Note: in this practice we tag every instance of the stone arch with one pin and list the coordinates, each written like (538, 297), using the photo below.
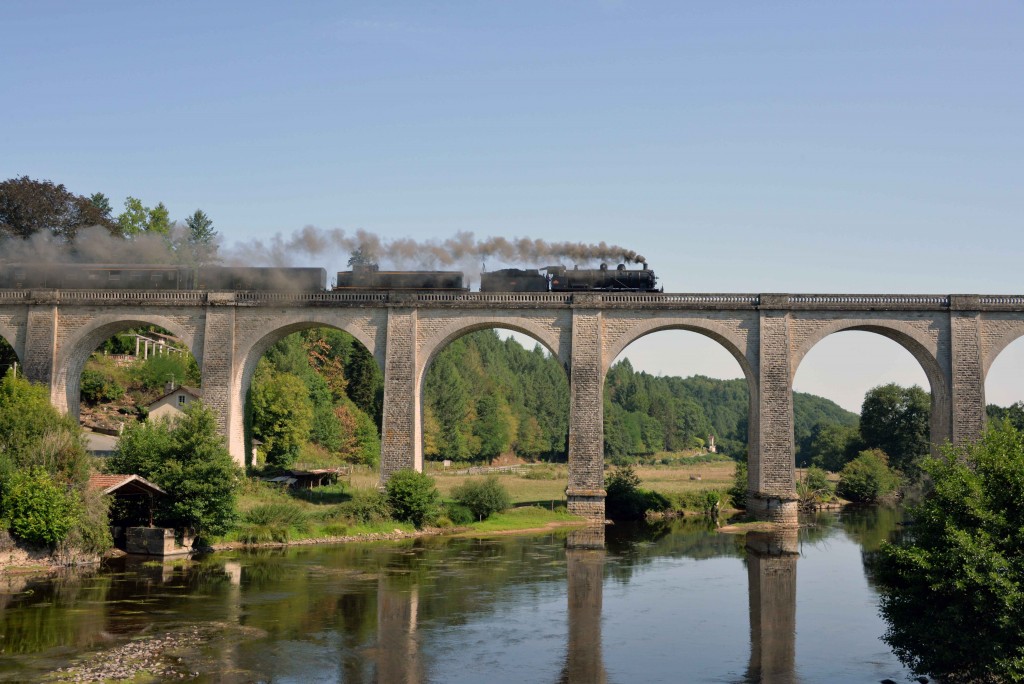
(438, 340)
(17, 341)
(706, 327)
(75, 351)
(247, 358)
(434, 342)
(732, 337)
(922, 344)
(998, 345)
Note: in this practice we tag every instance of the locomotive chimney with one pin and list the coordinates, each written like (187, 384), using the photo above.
(645, 266)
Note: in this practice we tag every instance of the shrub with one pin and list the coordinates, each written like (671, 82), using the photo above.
(366, 506)
(279, 513)
(483, 497)
(867, 478)
(815, 486)
(738, 491)
(273, 522)
(413, 497)
(91, 532)
(710, 500)
(458, 514)
(626, 500)
(40, 511)
(96, 388)
(702, 500)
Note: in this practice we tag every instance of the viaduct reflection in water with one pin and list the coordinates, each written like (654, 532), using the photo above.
(584, 558)
(771, 586)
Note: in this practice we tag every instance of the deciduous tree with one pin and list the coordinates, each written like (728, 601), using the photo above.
(953, 587)
(189, 460)
(282, 414)
(28, 207)
(895, 420)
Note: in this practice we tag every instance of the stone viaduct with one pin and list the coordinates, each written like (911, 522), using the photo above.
(955, 338)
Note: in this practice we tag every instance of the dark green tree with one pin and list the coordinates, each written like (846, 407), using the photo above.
(365, 382)
(7, 356)
(38, 509)
(830, 446)
(102, 203)
(1013, 413)
(953, 587)
(483, 497)
(189, 460)
(413, 497)
(201, 239)
(895, 420)
(491, 427)
(447, 390)
(282, 414)
(362, 256)
(738, 491)
(34, 433)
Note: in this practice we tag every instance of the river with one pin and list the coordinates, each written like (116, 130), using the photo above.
(675, 602)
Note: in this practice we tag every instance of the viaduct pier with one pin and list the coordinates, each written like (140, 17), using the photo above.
(954, 338)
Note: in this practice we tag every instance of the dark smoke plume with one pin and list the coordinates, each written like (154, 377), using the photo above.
(462, 249)
(95, 245)
(312, 246)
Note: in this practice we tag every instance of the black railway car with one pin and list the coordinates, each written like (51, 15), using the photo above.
(514, 280)
(363, 277)
(603, 278)
(69, 276)
(229, 278)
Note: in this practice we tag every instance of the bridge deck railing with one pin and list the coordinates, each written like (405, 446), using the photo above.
(512, 300)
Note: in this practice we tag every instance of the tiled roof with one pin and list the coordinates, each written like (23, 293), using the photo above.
(124, 484)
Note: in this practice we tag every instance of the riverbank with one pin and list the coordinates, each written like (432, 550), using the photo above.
(521, 520)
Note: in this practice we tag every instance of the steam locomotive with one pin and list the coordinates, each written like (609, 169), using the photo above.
(69, 276)
(561, 279)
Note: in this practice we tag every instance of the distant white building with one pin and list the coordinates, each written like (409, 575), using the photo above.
(173, 402)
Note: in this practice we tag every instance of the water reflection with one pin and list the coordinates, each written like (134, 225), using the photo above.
(662, 603)
(771, 582)
(584, 556)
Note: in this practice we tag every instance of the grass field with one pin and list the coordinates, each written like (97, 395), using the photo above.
(538, 497)
(674, 479)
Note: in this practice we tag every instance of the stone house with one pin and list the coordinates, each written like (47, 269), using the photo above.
(172, 403)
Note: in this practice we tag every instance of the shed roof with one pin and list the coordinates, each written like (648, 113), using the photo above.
(124, 485)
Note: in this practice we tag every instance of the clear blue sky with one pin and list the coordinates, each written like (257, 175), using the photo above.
(757, 147)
